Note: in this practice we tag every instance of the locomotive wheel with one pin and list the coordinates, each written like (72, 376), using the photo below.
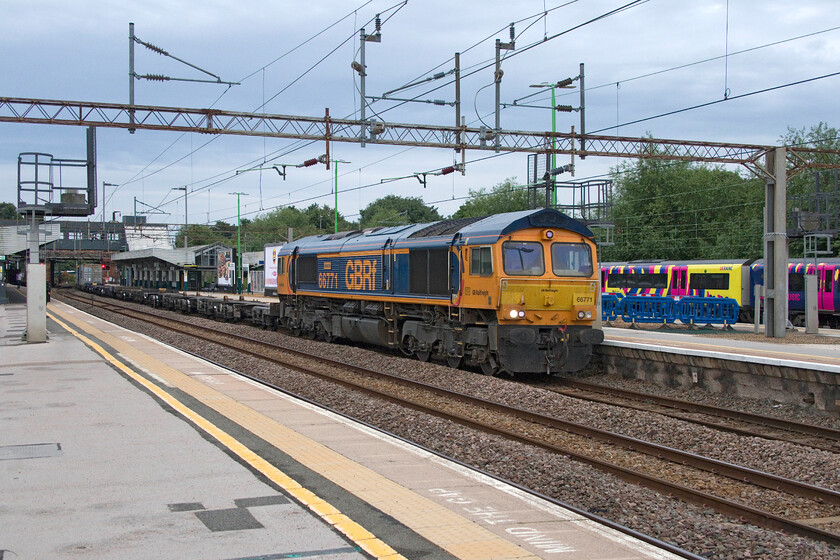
(454, 361)
(322, 334)
(423, 355)
(489, 369)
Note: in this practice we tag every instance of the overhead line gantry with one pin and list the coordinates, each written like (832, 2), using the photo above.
(773, 164)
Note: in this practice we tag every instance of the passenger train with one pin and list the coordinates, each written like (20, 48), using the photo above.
(734, 279)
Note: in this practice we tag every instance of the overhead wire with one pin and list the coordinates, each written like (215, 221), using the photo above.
(401, 4)
(706, 104)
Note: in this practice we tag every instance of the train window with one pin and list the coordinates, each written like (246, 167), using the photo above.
(677, 279)
(281, 266)
(617, 280)
(709, 281)
(481, 261)
(827, 284)
(523, 258)
(653, 280)
(571, 259)
(796, 282)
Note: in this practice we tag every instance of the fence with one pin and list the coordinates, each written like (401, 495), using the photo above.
(691, 310)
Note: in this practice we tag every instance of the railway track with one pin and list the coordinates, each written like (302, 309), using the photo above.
(728, 420)
(670, 471)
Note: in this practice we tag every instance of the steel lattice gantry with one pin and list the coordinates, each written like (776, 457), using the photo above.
(771, 163)
(327, 128)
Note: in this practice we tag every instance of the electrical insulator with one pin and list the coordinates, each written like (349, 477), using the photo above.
(378, 24)
(564, 83)
(439, 75)
(564, 108)
(447, 170)
(512, 33)
(310, 162)
(439, 102)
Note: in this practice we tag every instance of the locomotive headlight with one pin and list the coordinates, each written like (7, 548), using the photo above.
(582, 314)
(588, 314)
(515, 314)
(521, 314)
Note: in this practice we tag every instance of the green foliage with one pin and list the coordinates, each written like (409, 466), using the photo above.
(802, 187)
(819, 137)
(504, 197)
(676, 211)
(394, 210)
(204, 235)
(8, 211)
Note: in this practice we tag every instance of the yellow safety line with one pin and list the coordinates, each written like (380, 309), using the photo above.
(355, 532)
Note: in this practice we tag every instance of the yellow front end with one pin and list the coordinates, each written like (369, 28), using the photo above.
(547, 301)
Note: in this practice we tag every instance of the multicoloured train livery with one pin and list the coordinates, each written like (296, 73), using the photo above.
(732, 279)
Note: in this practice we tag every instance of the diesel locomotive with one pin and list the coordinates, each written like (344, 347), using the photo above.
(513, 292)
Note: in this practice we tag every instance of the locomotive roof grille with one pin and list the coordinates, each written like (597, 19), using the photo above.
(446, 227)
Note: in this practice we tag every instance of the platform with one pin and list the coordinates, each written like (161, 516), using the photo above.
(117, 446)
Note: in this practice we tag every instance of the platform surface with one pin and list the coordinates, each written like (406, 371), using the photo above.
(824, 357)
(117, 446)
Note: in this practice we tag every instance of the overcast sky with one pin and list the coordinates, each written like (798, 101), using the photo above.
(79, 51)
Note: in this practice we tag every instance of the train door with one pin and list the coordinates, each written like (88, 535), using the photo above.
(293, 271)
(679, 281)
(454, 274)
(387, 262)
(826, 287)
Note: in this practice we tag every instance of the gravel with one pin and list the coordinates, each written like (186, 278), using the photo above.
(693, 528)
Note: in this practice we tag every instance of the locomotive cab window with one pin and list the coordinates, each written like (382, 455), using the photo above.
(523, 258)
(571, 259)
(481, 261)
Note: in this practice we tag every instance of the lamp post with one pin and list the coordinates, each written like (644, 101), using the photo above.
(335, 189)
(186, 215)
(238, 244)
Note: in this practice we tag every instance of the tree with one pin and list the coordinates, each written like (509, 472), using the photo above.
(504, 197)
(323, 218)
(682, 211)
(394, 210)
(802, 187)
(8, 211)
(198, 234)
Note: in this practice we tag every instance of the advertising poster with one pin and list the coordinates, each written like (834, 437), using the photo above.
(226, 268)
(270, 260)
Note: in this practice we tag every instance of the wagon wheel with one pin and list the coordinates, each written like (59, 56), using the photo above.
(454, 361)
(423, 355)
